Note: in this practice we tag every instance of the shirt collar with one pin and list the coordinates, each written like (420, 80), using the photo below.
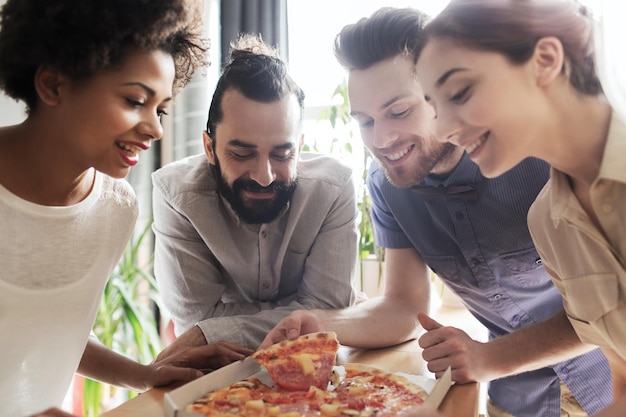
(612, 168)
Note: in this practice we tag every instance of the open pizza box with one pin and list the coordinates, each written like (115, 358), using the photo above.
(174, 402)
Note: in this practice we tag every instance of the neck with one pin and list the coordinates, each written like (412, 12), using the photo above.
(577, 139)
(33, 167)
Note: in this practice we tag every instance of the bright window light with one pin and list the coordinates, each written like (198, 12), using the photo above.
(313, 26)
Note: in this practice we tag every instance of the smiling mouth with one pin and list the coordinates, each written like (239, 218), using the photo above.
(473, 146)
(130, 149)
(260, 195)
(397, 155)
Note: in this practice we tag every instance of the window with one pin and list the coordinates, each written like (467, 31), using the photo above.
(313, 26)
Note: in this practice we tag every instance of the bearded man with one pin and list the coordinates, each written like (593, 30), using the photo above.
(252, 229)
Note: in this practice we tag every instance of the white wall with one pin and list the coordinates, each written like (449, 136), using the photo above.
(11, 112)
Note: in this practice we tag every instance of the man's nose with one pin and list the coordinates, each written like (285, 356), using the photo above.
(384, 136)
(263, 172)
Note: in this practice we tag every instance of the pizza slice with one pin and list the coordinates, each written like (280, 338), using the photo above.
(298, 364)
(368, 388)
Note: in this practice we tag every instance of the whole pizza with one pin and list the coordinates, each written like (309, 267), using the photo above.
(306, 382)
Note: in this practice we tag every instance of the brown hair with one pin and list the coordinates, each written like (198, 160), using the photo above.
(513, 27)
(386, 33)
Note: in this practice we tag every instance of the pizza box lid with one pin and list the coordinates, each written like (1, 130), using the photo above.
(174, 402)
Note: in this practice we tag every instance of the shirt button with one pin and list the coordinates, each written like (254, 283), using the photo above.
(607, 208)
(516, 318)
(459, 215)
(263, 234)
(475, 262)
(497, 297)
(265, 285)
(565, 370)
(539, 261)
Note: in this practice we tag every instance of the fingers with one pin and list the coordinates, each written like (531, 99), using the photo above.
(231, 350)
(427, 322)
(212, 355)
(268, 341)
(286, 329)
(169, 374)
(190, 339)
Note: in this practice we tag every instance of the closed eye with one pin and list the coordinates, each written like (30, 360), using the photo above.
(399, 115)
(366, 124)
(134, 103)
(461, 96)
(283, 157)
(244, 155)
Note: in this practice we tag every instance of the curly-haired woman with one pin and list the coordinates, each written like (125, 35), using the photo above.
(96, 78)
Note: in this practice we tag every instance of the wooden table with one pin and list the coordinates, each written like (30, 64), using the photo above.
(461, 401)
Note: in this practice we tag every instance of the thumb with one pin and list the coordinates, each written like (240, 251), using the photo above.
(427, 322)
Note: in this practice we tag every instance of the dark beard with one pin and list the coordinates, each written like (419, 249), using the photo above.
(254, 211)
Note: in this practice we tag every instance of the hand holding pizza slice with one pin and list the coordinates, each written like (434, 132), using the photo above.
(301, 370)
(296, 365)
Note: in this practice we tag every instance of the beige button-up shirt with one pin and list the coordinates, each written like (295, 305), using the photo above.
(237, 280)
(588, 265)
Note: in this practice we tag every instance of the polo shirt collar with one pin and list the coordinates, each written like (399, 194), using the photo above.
(561, 196)
(612, 167)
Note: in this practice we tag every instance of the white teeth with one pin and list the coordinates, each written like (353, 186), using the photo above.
(129, 148)
(473, 146)
(397, 155)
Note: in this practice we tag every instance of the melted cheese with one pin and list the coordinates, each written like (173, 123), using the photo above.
(306, 362)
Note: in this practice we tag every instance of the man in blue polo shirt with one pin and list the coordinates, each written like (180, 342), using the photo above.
(432, 208)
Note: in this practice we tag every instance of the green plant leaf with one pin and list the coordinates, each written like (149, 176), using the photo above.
(125, 321)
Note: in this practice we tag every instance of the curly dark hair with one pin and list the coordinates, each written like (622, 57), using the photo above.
(82, 37)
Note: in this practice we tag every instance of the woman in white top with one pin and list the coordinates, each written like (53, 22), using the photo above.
(96, 78)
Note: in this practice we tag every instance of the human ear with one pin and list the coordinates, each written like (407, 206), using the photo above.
(48, 84)
(208, 147)
(548, 58)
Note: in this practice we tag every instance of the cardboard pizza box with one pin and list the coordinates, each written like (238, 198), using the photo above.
(174, 402)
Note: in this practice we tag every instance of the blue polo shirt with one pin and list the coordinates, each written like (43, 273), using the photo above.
(481, 247)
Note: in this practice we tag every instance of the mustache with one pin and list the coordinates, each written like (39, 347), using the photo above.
(255, 187)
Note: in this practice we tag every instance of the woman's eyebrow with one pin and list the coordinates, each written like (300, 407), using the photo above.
(148, 89)
(447, 75)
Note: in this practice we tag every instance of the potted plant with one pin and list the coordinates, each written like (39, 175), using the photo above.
(344, 135)
(126, 320)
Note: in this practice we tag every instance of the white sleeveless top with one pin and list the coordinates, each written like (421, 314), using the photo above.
(54, 264)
